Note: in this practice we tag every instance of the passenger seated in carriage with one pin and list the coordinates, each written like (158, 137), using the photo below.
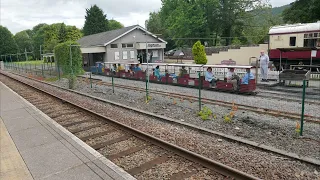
(183, 71)
(157, 73)
(210, 77)
(247, 77)
(120, 68)
(137, 68)
(233, 78)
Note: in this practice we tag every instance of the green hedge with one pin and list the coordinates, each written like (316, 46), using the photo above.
(62, 57)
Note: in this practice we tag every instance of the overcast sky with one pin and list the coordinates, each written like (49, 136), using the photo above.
(18, 15)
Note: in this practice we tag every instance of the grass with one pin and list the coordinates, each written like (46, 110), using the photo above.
(34, 62)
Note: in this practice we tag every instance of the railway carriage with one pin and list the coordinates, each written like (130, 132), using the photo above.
(170, 75)
(294, 43)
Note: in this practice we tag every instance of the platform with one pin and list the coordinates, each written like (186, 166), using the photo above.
(33, 146)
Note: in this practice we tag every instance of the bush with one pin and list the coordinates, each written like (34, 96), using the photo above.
(199, 53)
(62, 57)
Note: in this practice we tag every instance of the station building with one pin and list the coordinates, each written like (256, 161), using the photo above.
(126, 45)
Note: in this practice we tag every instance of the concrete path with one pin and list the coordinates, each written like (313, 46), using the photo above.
(33, 146)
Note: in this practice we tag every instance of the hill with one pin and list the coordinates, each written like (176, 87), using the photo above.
(278, 10)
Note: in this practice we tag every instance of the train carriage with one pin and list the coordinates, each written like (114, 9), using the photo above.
(293, 43)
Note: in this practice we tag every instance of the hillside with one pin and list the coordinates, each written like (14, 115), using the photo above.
(278, 10)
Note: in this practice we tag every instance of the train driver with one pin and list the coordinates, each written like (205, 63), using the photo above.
(264, 63)
(233, 78)
(248, 76)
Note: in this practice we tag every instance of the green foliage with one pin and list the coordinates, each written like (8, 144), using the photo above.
(302, 11)
(96, 21)
(7, 42)
(113, 24)
(199, 54)
(182, 22)
(24, 41)
(205, 113)
(236, 41)
(62, 55)
(62, 33)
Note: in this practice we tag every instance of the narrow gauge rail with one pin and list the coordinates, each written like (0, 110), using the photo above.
(272, 112)
(189, 126)
(163, 152)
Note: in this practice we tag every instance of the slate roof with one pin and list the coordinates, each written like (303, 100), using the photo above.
(101, 38)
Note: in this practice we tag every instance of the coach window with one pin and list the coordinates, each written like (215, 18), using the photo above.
(293, 41)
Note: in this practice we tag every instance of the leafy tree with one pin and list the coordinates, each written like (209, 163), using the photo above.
(7, 42)
(199, 54)
(73, 33)
(302, 11)
(96, 21)
(38, 40)
(62, 33)
(23, 41)
(113, 24)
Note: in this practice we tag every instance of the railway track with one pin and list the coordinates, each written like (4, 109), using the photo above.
(259, 147)
(142, 155)
(277, 113)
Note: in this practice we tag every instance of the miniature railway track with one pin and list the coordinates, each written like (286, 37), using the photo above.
(277, 113)
(140, 154)
(169, 120)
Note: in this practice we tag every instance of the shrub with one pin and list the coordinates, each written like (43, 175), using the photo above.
(199, 53)
(205, 113)
(62, 57)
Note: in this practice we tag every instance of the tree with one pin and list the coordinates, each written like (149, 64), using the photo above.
(73, 33)
(96, 21)
(62, 33)
(302, 11)
(38, 40)
(113, 24)
(199, 54)
(23, 41)
(7, 42)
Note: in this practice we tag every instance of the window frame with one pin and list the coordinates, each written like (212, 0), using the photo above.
(113, 45)
(291, 40)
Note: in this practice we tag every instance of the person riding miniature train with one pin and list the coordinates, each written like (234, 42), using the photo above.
(157, 73)
(210, 77)
(183, 71)
(233, 78)
(247, 77)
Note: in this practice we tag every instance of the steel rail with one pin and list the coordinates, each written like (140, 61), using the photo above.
(209, 163)
(276, 113)
(191, 126)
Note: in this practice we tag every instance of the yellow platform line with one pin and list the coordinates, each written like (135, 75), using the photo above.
(12, 166)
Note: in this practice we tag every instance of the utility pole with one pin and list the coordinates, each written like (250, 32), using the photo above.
(25, 51)
(40, 53)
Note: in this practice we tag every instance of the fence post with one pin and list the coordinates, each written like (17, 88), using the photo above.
(58, 71)
(42, 70)
(112, 79)
(90, 80)
(302, 111)
(200, 85)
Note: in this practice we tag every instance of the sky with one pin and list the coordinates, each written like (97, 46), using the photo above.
(18, 15)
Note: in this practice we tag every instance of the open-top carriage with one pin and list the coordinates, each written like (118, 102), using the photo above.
(186, 75)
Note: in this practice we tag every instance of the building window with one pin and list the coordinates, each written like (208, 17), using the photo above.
(114, 45)
(293, 41)
(132, 55)
(116, 56)
(124, 55)
(127, 45)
